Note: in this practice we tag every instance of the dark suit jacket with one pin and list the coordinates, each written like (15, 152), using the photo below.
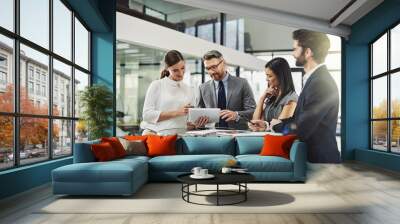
(240, 98)
(315, 118)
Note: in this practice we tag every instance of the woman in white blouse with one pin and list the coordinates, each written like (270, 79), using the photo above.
(168, 99)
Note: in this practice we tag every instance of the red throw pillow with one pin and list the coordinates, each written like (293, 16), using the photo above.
(277, 145)
(161, 145)
(103, 152)
(116, 145)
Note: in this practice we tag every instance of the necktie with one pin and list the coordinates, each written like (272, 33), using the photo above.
(221, 102)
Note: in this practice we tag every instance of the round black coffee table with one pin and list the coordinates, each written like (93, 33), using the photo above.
(238, 179)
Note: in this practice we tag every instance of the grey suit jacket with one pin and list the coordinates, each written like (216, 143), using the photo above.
(240, 98)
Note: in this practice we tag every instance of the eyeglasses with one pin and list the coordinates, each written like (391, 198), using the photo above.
(213, 67)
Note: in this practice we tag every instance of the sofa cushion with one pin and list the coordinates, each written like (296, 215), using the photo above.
(277, 145)
(116, 145)
(206, 145)
(134, 147)
(136, 137)
(112, 171)
(103, 152)
(249, 145)
(161, 145)
(257, 163)
(185, 163)
(128, 159)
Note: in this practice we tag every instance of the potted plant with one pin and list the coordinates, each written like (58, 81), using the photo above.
(96, 103)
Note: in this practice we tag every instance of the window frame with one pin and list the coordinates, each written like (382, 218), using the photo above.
(388, 74)
(15, 72)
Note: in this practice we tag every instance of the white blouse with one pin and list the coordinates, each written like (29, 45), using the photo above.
(166, 95)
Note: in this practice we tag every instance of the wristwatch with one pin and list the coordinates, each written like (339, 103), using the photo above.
(237, 117)
(266, 125)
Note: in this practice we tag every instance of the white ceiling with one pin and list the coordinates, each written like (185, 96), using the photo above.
(319, 9)
(308, 14)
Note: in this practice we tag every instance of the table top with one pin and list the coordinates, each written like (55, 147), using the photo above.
(220, 178)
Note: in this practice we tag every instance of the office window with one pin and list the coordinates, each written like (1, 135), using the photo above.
(395, 47)
(62, 29)
(63, 73)
(234, 36)
(7, 14)
(62, 137)
(6, 73)
(33, 140)
(35, 21)
(40, 61)
(6, 142)
(45, 130)
(191, 31)
(385, 97)
(155, 13)
(81, 81)
(81, 45)
(206, 32)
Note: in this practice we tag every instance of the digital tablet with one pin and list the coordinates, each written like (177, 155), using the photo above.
(211, 113)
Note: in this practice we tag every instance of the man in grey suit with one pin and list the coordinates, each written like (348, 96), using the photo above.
(231, 94)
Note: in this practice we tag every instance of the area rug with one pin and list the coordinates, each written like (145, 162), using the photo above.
(167, 198)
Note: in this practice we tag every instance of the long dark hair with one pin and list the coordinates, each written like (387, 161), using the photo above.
(282, 71)
(171, 58)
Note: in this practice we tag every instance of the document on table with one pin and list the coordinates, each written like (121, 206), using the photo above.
(240, 133)
(211, 113)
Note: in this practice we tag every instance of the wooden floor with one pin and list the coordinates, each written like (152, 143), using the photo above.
(378, 188)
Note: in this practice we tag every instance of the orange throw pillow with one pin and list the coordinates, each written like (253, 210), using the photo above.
(116, 145)
(136, 137)
(161, 145)
(277, 145)
(103, 152)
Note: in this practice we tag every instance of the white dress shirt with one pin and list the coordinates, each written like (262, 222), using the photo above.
(166, 95)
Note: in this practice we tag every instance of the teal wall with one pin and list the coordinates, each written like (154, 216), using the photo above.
(103, 53)
(24, 178)
(356, 106)
(99, 16)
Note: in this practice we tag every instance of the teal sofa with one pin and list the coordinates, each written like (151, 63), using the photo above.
(125, 176)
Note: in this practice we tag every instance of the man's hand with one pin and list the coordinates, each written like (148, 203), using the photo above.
(228, 115)
(257, 125)
(201, 121)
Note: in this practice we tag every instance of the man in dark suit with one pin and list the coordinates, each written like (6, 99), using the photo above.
(233, 95)
(316, 114)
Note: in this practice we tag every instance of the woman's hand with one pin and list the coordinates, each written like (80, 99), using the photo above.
(258, 125)
(183, 110)
(275, 122)
(269, 92)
